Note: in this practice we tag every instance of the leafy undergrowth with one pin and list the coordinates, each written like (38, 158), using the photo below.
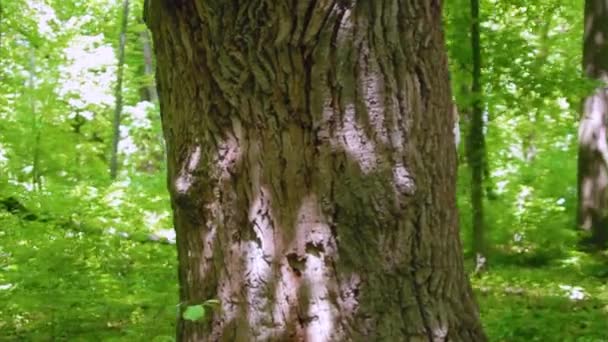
(563, 301)
(59, 284)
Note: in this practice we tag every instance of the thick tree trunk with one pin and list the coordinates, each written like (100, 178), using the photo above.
(593, 146)
(312, 170)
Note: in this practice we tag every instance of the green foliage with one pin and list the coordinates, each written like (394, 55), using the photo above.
(194, 313)
(532, 90)
(533, 85)
(65, 280)
(567, 301)
(80, 256)
(199, 312)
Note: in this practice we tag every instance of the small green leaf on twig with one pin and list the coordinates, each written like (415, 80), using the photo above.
(194, 313)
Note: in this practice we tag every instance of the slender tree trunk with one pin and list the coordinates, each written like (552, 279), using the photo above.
(148, 93)
(311, 167)
(593, 147)
(476, 148)
(118, 90)
(150, 88)
(35, 123)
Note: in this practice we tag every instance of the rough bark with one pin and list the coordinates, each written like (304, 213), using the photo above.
(593, 146)
(476, 144)
(118, 90)
(311, 166)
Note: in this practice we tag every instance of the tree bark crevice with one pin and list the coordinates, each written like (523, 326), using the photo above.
(322, 197)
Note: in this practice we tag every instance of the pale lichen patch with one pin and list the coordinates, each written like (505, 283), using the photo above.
(353, 139)
(185, 178)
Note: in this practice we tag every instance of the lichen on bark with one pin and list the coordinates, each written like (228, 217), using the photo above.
(321, 206)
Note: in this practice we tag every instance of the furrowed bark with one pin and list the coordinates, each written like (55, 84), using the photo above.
(312, 170)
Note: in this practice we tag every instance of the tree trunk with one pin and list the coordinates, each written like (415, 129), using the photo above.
(593, 147)
(311, 167)
(36, 122)
(476, 145)
(149, 91)
(118, 90)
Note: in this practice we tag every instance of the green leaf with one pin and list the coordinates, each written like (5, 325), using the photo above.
(194, 313)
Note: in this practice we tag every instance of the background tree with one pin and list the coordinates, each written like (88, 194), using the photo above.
(312, 170)
(531, 93)
(593, 138)
(118, 90)
(149, 90)
(476, 142)
(79, 228)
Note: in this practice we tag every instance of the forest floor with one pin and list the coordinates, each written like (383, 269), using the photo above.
(566, 300)
(68, 286)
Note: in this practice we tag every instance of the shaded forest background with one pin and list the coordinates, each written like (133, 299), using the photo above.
(88, 255)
